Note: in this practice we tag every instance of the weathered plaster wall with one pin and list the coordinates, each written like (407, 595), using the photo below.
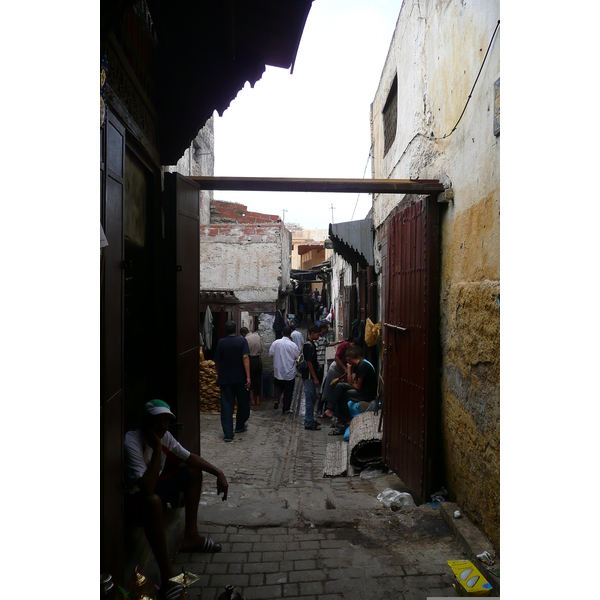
(199, 159)
(343, 269)
(267, 337)
(286, 260)
(245, 252)
(436, 52)
(236, 258)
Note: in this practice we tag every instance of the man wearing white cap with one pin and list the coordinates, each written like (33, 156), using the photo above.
(158, 467)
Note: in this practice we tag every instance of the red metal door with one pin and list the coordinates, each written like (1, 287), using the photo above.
(182, 198)
(411, 343)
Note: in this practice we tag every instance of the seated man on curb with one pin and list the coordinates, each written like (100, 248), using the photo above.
(336, 370)
(362, 389)
(157, 468)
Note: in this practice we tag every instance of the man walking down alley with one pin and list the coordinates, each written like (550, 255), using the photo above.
(297, 338)
(255, 347)
(311, 378)
(233, 368)
(284, 352)
(321, 344)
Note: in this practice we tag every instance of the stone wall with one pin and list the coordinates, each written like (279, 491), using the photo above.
(244, 252)
(199, 159)
(435, 53)
(267, 337)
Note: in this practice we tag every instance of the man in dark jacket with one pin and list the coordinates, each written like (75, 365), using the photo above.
(233, 367)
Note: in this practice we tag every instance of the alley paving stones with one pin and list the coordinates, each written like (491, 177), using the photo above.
(288, 532)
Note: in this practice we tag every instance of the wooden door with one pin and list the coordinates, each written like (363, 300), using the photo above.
(182, 201)
(112, 165)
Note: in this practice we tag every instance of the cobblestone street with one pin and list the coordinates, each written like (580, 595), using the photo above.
(288, 532)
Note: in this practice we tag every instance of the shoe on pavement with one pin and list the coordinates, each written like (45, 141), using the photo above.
(313, 427)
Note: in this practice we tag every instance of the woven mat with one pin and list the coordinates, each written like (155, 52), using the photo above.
(365, 440)
(336, 459)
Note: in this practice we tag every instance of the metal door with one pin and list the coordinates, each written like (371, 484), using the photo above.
(411, 343)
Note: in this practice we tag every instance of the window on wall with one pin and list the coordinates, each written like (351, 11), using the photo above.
(390, 117)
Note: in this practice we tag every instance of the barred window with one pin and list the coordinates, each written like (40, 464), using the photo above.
(390, 117)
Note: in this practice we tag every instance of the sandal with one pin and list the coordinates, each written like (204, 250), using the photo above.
(170, 590)
(207, 547)
(337, 431)
(313, 427)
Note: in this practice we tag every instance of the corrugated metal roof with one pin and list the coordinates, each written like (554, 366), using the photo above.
(353, 241)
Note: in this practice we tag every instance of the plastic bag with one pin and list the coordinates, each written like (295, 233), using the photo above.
(371, 473)
(354, 408)
(372, 332)
(394, 499)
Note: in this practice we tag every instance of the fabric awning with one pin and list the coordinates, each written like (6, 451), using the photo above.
(304, 275)
(353, 241)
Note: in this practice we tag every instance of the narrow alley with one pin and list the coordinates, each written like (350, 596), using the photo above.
(288, 532)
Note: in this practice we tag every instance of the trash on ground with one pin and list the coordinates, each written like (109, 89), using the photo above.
(371, 473)
(312, 526)
(468, 581)
(486, 558)
(186, 578)
(434, 505)
(230, 593)
(396, 500)
(457, 514)
(439, 496)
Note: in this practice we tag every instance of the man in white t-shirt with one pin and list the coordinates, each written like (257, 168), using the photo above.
(284, 353)
(158, 467)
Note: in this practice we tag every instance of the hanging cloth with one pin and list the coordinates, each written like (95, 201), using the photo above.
(222, 319)
(207, 328)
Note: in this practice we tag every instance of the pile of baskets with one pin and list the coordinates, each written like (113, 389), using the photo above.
(210, 393)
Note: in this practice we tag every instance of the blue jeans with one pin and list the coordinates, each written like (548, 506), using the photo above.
(228, 395)
(311, 398)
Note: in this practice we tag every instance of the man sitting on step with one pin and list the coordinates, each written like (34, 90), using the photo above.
(157, 469)
(363, 388)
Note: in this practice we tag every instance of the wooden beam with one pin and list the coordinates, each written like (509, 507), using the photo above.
(281, 184)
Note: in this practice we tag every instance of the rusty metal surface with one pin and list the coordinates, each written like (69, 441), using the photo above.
(409, 331)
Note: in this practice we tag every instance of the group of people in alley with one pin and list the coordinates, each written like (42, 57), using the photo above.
(158, 468)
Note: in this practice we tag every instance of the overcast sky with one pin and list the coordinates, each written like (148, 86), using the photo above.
(314, 122)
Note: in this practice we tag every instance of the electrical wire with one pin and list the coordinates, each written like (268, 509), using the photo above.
(357, 197)
(464, 109)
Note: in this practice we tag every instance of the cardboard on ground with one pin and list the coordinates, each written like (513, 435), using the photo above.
(470, 582)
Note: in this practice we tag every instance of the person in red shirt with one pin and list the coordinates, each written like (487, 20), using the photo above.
(336, 369)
